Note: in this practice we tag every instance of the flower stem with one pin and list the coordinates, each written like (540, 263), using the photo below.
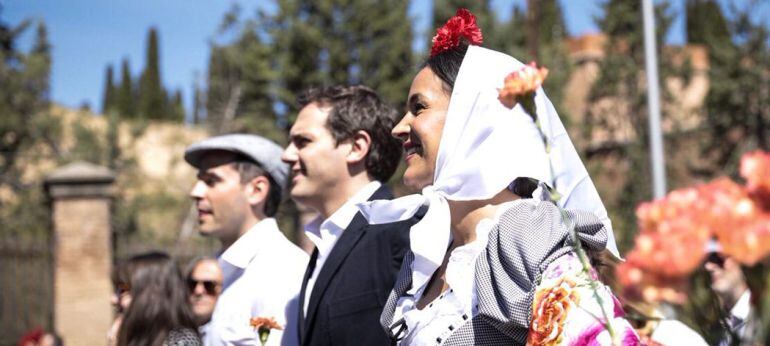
(530, 107)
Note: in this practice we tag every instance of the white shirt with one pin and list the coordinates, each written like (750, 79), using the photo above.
(673, 332)
(325, 233)
(262, 274)
(742, 307)
(437, 321)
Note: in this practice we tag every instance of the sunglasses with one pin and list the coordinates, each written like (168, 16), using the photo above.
(716, 258)
(211, 287)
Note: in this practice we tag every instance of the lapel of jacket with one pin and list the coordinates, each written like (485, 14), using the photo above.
(302, 293)
(349, 238)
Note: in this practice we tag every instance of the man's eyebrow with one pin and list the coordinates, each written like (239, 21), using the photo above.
(298, 135)
(206, 175)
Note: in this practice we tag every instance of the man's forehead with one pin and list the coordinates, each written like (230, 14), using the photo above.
(215, 158)
(207, 267)
(310, 117)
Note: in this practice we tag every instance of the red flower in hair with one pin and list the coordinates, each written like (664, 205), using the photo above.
(462, 25)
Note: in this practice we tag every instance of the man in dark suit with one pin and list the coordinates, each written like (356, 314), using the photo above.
(340, 152)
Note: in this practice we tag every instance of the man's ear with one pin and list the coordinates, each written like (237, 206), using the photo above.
(361, 142)
(257, 190)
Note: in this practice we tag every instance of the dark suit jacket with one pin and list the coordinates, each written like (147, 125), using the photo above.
(351, 288)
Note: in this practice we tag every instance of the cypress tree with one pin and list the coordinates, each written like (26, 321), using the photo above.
(176, 107)
(25, 90)
(151, 93)
(126, 102)
(298, 39)
(342, 42)
(108, 98)
(706, 24)
(197, 102)
(738, 103)
(551, 51)
(221, 85)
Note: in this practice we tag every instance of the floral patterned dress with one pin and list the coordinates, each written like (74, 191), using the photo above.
(566, 311)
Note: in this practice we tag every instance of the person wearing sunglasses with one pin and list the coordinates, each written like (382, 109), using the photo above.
(204, 280)
(730, 286)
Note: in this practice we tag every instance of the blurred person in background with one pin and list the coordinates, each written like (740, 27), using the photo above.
(38, 337)
(204, 280)
(240, 183)
(120, 299)
(158, 311)
(731, 289)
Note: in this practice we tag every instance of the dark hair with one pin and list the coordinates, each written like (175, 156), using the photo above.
(446, 65)
(359, 108)
(159, 302)
(248, 169)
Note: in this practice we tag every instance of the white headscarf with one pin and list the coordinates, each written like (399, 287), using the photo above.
(484, 147)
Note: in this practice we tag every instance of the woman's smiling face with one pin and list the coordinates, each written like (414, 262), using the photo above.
(421, 127)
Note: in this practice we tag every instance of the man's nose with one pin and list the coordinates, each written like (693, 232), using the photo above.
(289, 154)
(198, 190)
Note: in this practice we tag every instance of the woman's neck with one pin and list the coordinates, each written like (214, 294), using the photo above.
(466, 215)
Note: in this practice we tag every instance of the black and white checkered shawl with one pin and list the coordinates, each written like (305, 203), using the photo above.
(528, 237)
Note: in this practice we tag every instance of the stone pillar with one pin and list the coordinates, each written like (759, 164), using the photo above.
(80, 195)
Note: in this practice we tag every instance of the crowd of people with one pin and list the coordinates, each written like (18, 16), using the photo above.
(484, 252)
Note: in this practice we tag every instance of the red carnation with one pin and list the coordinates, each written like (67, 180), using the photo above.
(462, 25)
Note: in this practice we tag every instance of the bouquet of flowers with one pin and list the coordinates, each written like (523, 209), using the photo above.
(674, 231)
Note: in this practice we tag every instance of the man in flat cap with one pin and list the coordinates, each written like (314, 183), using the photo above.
(240, 179)
(341, 153)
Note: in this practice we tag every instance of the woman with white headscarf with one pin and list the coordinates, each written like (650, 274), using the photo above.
(492, 261)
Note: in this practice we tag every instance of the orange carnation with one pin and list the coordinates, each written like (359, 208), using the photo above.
(549, 312)
(263, 325)
(522, 83)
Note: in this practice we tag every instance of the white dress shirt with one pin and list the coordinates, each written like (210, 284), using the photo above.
(325, 233)
(262, 274)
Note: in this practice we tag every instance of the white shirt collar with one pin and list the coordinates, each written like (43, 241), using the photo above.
(742, 307)
(250, 243)
(319, 230)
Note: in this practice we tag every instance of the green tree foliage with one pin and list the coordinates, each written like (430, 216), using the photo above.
(343, 42)
(24, 96)
(299, 39)
(240, 75)
(126, 98)
(143, 97)
(152, 95)
(197, 115)
(706, 24)
(738, 103)
(25, 122)
(618, 101)
(108, 99)
(311, 44)
(176, 108)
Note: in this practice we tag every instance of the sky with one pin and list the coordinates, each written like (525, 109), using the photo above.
(87, 35)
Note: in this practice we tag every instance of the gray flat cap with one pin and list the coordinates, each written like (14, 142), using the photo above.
(262, 150)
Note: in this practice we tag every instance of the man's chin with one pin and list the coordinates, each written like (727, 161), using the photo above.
(206, 231)
(298, 195)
